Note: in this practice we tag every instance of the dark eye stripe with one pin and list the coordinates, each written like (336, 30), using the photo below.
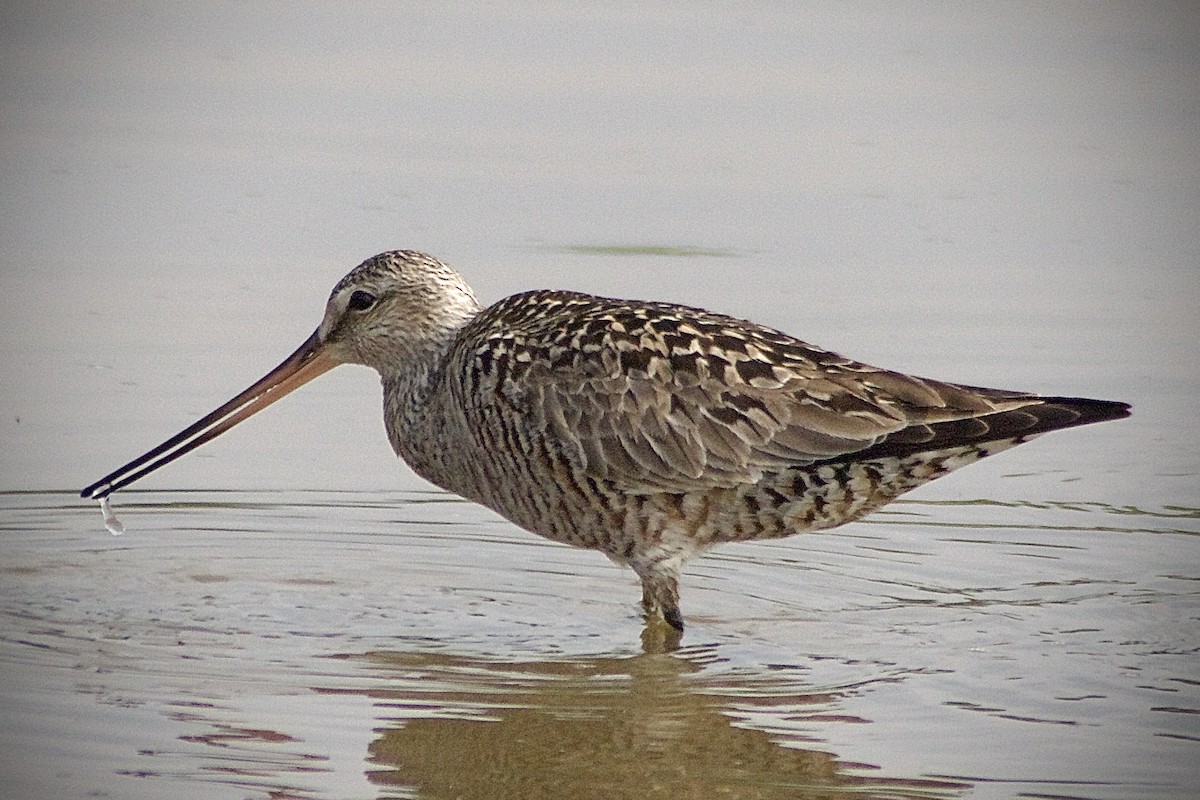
(360, 300)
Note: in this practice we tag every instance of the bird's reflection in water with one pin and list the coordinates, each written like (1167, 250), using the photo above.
(639, 727)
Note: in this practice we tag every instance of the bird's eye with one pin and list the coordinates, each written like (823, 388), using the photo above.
(360, 301)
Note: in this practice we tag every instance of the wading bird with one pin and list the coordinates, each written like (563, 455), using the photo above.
(648, 431)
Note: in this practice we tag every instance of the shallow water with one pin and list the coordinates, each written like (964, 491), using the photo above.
(997, 195)
(308, 644)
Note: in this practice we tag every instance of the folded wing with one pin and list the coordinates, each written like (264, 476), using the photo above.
(658, 398)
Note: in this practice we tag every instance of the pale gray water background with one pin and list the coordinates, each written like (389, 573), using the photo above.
(1005, 196)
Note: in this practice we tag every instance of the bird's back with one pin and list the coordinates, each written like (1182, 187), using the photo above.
(574, 415)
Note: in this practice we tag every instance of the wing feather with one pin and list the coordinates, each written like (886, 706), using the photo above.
(656, 397)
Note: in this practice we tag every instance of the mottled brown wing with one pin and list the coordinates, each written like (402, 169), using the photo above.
(660, 398)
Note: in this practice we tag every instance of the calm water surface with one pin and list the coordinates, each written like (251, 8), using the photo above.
(1001, 196)
(308, 644)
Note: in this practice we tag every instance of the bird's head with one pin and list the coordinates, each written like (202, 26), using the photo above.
(393, 309)
(392, 312)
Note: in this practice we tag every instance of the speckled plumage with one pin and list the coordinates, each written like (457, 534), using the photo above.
(647, 431)
(652, 431)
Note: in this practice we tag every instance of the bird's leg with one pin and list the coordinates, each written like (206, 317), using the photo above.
(660, 599)
(660, 595)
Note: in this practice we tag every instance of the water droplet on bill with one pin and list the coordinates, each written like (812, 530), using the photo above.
(110, 519)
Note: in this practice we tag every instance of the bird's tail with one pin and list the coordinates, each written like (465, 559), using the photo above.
(1041, 415)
